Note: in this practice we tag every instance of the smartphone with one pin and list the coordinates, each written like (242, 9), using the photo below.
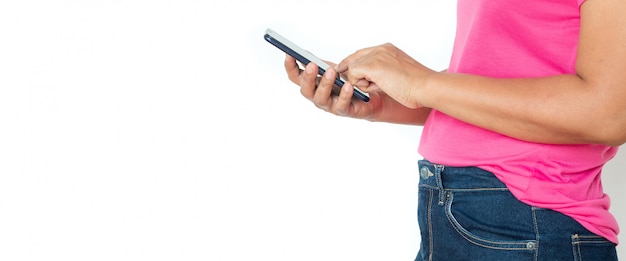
(306, 57)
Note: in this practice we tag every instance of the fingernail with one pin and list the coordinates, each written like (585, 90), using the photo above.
(346, 88)
(328, 75)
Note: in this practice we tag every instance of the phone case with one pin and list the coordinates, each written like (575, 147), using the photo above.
(305, 58)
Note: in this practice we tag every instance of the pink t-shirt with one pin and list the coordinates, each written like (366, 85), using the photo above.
(530, 38)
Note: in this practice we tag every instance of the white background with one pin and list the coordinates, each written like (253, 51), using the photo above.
(167, 130)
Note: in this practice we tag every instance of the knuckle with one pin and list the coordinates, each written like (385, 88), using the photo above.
(340, 112)
(321, 106)
(319, 102)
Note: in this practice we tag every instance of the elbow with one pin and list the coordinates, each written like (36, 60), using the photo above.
(611, 131)
(606, 117)
(615, 137)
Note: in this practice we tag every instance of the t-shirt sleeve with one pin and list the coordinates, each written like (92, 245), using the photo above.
(580, 2)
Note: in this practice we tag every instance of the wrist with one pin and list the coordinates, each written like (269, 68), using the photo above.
(427, 89)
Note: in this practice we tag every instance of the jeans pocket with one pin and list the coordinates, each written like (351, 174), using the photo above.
(592, 247)
(492, 219)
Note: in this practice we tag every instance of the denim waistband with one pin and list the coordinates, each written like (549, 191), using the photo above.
(457, 178)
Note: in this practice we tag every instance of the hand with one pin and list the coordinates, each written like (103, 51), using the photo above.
(319, 91)
(388, 68)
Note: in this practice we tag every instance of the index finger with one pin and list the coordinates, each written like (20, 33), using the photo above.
(345, 63)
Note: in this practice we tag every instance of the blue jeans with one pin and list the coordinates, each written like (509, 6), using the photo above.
(469, 214)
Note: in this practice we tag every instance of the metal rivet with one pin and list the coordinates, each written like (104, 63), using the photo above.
(424, 172)
(531, 245)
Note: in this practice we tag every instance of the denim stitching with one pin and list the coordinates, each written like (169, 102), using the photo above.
(426, 186)
(590, 240)
(430, 227)
(576, 248)
(577, 244)
(438, 171)
(477, 189)
(481, 242)
(537, 234)
(579, 240)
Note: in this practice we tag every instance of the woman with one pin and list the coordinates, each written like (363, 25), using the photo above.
(516, 131)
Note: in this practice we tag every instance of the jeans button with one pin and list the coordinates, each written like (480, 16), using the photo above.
(425, 173)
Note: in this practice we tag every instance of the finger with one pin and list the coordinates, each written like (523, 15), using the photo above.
(307, 81)
(343, 66)
(324, 89)
(362, 83)
(343, 102)
(360, 74)
(345, 63)
(292, 68)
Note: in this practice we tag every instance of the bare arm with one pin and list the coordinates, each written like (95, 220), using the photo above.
(589, 107)
(395, 112)
(586, 108)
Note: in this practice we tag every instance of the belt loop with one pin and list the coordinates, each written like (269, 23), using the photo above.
(438, 171)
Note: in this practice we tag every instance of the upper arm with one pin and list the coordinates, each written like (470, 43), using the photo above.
(601, 61)
(602, 46)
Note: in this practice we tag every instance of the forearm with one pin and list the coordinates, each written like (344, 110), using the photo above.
(394, 112)
(563, 109)
(397, 113)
